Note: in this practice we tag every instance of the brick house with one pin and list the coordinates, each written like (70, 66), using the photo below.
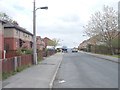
(48, 42)
(83, 45)
(40, 43)
(49, 46)
(16, 37)
(1, 38)
(97, 45)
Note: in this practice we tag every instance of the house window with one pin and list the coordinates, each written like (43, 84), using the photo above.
(20, 43)
(31, 44)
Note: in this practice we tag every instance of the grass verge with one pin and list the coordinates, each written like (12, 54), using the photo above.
(117, 56)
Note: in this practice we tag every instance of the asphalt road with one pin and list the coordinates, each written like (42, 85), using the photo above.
(80, 70)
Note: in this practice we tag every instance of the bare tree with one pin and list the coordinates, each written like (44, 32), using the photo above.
(55, 42)
(103, 25)
(5, 17)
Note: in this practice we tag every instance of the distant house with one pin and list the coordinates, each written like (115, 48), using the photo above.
(48, 42)
(83, 45)
(91, 41)
(16, 37)
(96, 44)
(1, 38)
(40, 43)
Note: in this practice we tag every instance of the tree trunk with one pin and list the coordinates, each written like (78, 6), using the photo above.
(111, 49)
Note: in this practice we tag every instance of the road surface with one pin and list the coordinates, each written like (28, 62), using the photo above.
(80, 70)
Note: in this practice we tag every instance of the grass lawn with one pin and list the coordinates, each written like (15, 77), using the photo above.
(118, 56)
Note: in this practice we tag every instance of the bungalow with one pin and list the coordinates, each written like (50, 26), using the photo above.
(16, 37)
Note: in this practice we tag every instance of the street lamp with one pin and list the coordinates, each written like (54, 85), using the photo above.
(34, 31)
(41, 8)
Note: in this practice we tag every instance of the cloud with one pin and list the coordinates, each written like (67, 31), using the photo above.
(64, 19)
(70, 18)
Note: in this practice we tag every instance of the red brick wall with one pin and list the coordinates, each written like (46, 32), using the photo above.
(13, 43)
(10, 43)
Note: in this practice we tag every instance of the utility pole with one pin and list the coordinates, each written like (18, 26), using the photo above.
(34, 31)
(34, 34)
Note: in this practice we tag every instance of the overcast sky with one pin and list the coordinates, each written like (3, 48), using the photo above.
(63, 20)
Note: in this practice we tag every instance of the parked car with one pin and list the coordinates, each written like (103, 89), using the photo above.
(64, 49)
(74, 50)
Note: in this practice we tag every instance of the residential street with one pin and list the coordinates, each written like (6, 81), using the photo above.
(81, 70)
(59, 44)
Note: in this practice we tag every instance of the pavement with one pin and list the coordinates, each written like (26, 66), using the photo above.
(37, 76)
(105, 57)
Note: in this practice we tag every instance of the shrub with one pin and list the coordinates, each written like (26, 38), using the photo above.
(19, 52)
(24, 51)
(28, 52)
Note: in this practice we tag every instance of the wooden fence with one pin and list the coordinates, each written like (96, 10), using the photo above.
(11, 64)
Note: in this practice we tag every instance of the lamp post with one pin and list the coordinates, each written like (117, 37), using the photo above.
(34, 31)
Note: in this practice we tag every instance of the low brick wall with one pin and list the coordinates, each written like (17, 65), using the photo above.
(11, 64)
(48, 53)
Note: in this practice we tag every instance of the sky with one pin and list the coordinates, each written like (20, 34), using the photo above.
(64, 19)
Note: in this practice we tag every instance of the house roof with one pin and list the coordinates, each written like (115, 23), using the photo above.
(48, 41)
(47, 38)
(10, 25)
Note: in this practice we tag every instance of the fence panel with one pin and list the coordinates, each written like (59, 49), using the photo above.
(8, 65)
(26, 59)
(11, 64)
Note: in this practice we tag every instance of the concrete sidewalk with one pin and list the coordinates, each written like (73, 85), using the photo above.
(37, 76)
(110, 58)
